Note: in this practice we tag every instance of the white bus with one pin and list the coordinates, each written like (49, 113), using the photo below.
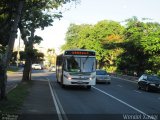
(76, 67)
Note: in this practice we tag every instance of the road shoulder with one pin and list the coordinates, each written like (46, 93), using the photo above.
(38, 104)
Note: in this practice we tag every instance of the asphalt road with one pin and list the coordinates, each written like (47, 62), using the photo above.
(119, 100)
(13, 79)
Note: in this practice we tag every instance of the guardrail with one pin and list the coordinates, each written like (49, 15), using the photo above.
(127, 77)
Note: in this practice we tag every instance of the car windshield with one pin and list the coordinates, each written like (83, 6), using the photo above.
(101, 72)
(80, 64)
(154, 78)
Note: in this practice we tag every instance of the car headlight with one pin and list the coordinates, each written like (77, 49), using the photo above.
(152, 84)
(108, 77)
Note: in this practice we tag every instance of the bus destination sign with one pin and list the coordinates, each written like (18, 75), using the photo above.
(90, 53)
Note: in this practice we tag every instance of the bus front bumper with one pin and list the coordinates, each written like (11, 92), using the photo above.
(79, 82)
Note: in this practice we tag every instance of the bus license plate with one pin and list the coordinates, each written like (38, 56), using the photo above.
(79, 82)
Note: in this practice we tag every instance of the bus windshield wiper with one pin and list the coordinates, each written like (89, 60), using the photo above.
(85, 60)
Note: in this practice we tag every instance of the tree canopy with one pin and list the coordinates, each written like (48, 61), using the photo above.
(7, 12)
(133, 47)
(96, 37)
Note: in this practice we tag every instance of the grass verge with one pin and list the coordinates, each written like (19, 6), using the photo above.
(15, 98)
(12, 69)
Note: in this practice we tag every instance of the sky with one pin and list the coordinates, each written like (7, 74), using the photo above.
(92, 11)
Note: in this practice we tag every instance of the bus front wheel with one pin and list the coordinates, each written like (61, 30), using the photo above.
(89, 87)
(63, 86)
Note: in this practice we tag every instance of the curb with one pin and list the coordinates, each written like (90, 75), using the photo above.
(9, 90)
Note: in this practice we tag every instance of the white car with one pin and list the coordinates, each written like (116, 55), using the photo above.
(52, 69)
(36, 66)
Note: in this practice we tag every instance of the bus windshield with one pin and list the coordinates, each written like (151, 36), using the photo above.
(80, 64)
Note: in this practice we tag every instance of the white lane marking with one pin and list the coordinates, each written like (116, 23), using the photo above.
(55, 102)
(136, 109)
(137, 91)
(60, 106)
(125, 79)
(119, 85)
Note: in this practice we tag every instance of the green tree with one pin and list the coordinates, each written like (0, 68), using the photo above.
(15, 9)
(141, 46)
(10, 20)
(72, 37)
(97, 37)
(133, 58)
(7, 12)
(51, 56)
(109, 35)
(36, 14)
(151, 45)
(37, 56)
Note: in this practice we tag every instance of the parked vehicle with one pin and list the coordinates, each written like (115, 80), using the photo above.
(102, 76)
(52, 69)
(149, 82)
(36, 66)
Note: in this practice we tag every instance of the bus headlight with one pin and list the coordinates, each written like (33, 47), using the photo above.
(91, 77)
(69, 77)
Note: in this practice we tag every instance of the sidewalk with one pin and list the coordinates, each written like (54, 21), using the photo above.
(39, 104)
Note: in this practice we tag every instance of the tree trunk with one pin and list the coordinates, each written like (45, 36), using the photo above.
(3, 80)
(9, 50)
(27, 67)
(29, 53)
